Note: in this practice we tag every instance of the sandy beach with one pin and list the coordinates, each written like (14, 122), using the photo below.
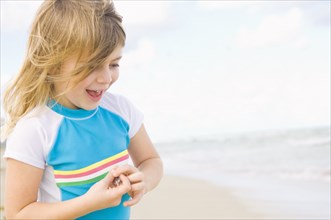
(186, 198)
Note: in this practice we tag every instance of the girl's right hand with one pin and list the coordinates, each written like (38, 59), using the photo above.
(105, 194)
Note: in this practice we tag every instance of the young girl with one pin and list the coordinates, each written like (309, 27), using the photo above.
(69, 141)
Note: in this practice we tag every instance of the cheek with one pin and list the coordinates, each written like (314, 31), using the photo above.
(60, 88)
(78, 89)
(86, 82)
(115, 76)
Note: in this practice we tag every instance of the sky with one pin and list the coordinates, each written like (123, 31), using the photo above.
(207, 68)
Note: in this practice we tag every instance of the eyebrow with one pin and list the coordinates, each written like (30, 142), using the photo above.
(118, 58)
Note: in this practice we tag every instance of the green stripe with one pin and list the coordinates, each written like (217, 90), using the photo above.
(95, 179)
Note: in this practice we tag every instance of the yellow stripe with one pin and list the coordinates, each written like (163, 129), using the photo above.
(100, 163)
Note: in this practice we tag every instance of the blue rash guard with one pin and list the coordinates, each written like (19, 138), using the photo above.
(76, 148)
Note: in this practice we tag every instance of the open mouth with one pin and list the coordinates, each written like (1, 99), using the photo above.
(95, 95)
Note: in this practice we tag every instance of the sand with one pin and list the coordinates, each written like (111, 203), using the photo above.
(186, 198)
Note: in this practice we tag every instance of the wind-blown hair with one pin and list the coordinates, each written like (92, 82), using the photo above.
(87, 29)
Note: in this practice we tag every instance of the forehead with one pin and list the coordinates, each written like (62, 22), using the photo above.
(75, 61)
(116, 54)
(84, 57)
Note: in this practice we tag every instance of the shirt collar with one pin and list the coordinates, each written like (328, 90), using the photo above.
(75, 114)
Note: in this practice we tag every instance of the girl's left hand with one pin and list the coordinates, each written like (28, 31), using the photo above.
(136, 178)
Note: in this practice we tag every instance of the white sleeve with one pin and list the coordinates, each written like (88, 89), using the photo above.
(123, 107)
(26, 143)
(134, 117)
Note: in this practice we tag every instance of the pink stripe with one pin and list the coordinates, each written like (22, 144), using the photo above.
(93, 170)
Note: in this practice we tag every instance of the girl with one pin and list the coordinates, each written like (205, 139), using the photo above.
(69, 140)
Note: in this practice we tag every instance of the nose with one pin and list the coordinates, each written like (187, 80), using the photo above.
(105, 76)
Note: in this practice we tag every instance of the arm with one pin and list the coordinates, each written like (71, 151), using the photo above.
(22, 183)
(148, 169)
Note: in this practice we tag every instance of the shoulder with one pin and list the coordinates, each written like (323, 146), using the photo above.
(121, 106)
(111, 100)
(35, 128)
(39, 118)
(29, 138)
(32, 121)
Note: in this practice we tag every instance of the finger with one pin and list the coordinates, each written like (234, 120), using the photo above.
(136, 177)
(125, 169)
(137, 187)
(134, 200)
(125, 180)
(113, 171)
(125, 186)
(108, 178)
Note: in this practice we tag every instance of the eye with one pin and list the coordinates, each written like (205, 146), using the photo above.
(115, 65)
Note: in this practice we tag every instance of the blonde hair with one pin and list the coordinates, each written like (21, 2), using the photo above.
(61, 29)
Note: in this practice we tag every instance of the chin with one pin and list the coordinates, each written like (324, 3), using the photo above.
(88, 108)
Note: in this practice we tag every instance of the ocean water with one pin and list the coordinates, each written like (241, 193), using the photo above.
(291, 154)
(286, 173)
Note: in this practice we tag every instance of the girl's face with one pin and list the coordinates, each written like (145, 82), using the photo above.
(88, 92)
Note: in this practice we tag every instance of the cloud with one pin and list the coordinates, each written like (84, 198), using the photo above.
(320, 14)
(274, 30)
(17, 15)
(249, 7)
(216, 5)
(143, 12)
